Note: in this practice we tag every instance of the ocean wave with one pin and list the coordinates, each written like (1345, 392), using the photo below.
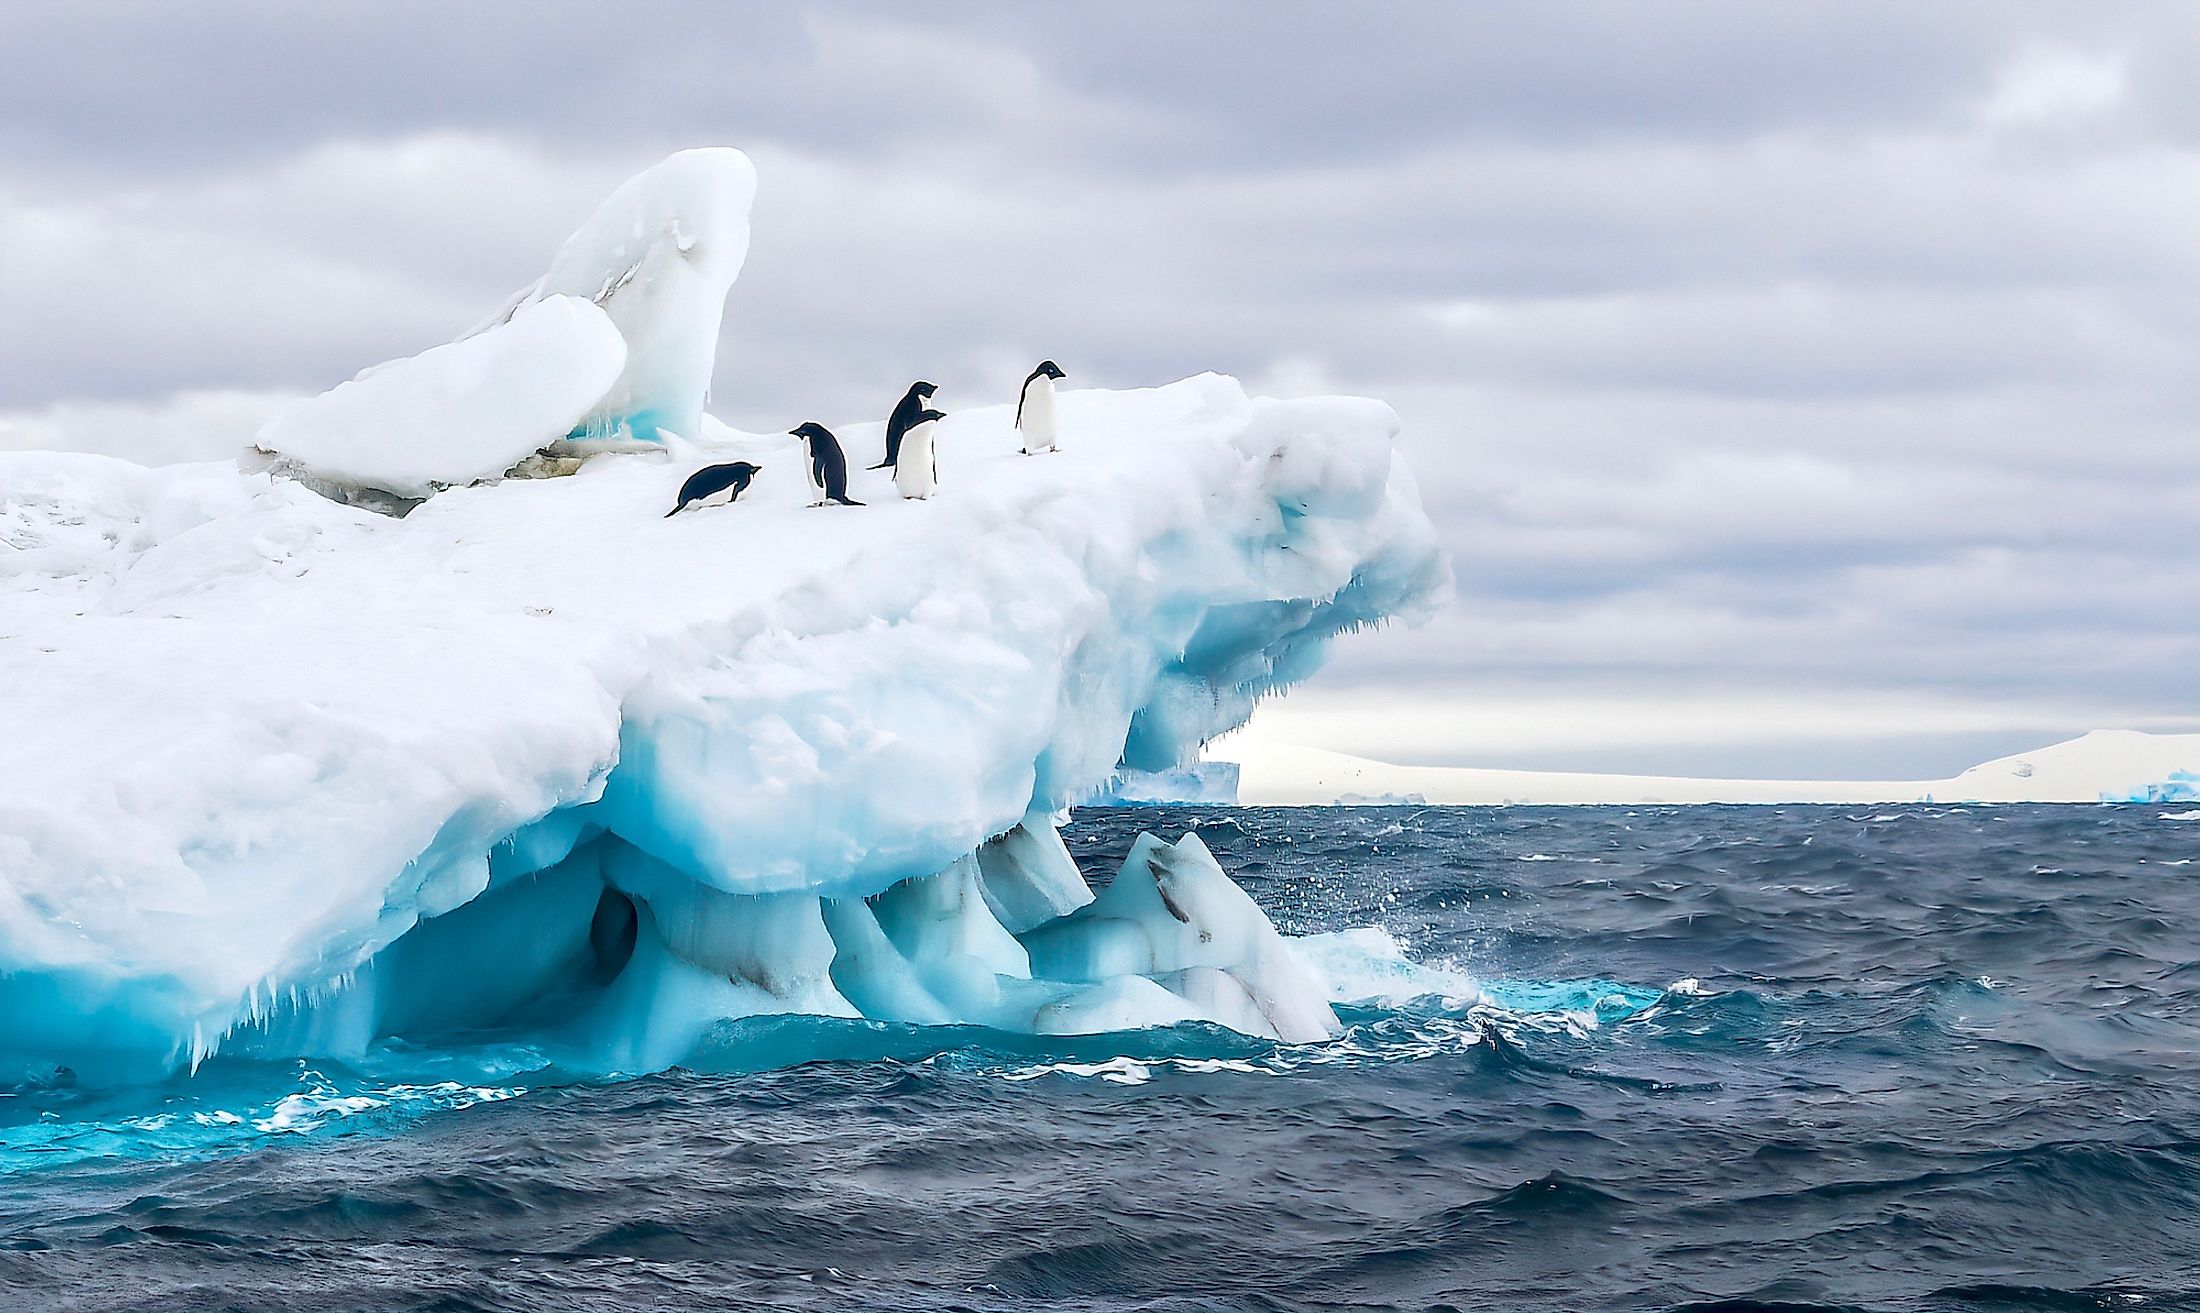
(1397, 1009)
(1756, 1058)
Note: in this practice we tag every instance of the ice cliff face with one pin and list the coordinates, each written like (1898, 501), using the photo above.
(284, 775)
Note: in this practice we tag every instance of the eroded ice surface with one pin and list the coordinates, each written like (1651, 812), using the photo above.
(459, 412)
(615, 342)
(659, 255)
(285, 775)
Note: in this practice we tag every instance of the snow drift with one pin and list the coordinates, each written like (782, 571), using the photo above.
(288, 776)
(457, 413)
(616, 342)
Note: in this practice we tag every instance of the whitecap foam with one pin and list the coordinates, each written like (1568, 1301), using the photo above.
(1368, 967)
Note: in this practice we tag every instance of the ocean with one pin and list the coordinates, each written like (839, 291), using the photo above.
(1881, 1058)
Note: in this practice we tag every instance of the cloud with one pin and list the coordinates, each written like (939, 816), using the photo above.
(1849, 356)
(295, 274)
(186, 426)
(2056, 87)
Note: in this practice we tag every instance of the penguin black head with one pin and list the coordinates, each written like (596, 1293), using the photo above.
(924, 390)
(1048, 368)
(811, 431)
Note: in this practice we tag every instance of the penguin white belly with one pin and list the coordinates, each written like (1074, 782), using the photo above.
(917, 472)
(1037, 422)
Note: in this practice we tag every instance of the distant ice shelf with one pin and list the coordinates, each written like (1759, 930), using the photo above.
(2104, 766)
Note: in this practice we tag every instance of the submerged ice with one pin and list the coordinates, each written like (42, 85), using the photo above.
(289, 777)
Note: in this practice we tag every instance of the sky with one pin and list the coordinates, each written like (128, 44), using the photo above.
(1799, 390)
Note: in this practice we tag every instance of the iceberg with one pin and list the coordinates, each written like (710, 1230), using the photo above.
(615, 342)
(659, 256)
(2180, 786)
(289, 777)
(1173, 917)
(456, 413)
(1214, 782)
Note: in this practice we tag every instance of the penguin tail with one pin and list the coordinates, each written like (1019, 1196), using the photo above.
(884, 464)
(676, 510)
(845, 502)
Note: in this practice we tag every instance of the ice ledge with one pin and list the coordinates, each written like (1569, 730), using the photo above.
(263, 735)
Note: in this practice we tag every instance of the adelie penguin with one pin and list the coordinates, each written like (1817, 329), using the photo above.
(918, 473)
(828, 464)
(1035, 408)
(903, 419)
(711, 480)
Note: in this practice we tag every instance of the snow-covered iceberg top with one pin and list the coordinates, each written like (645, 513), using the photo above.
(284, 772)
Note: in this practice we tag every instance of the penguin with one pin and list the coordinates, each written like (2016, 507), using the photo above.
(711, 480)
(828, 465)
(918, 477)
(905, 415)
(1035, 408)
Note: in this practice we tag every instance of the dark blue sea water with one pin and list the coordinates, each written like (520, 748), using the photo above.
(1905, 1058)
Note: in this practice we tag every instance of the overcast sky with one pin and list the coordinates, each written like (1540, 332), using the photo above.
(1799, 389)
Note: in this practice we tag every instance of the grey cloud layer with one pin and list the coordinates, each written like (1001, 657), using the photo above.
(1253, 85)
(1829, 352)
